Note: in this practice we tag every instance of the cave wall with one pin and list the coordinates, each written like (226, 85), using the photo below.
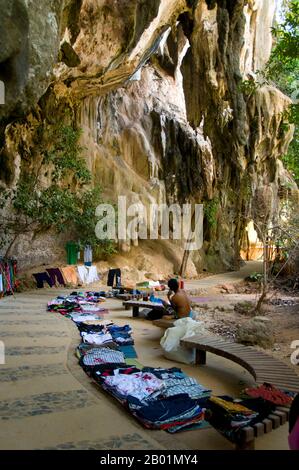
(155, 86)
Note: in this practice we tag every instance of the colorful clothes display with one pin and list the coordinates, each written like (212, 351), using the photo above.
(103, 354)
(85, 305)
(167, 413)
(8, 273)
(159, 398)
(231, 407)
(229, 417)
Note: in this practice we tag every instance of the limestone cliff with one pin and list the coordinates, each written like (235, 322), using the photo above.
(156, 86)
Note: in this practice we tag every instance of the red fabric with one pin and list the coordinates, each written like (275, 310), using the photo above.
(269, 393)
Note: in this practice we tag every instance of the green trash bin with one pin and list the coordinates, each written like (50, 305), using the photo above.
(72, 252)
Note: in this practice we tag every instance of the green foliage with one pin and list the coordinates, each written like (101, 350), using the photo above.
(64, 154)
(211, 212)
(251, 85)
(283, 69)
(246, 189)
(291, 159)
(85, 222)
(63, 204)
(248, 87)
(287, 35)
(254, 277)
(245, 308)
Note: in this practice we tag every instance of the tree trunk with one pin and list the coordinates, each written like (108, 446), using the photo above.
(7, 253)
(265, 276)
(184, 263)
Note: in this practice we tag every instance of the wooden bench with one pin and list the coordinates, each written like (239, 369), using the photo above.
(245, 439)
(136, 305)
(162, 323)
(261, 366)
(128, 296)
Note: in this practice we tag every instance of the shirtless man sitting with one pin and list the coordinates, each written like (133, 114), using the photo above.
(178, 299)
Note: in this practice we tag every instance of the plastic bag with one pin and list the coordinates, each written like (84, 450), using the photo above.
(170, 342)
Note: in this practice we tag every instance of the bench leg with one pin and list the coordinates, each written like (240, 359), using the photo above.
(200, 357)
(246, 439)
(245, 445)
(135, 312)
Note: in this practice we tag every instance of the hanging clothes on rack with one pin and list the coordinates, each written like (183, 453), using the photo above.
(41, 278)
(114, 273)
(56, 276)
(88, 255)
(8, 272)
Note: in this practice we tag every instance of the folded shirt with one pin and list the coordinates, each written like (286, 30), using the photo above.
(139, 385)
(97, 338)
(102, 355)
(185, 385)
(78, 318)
(169, 409)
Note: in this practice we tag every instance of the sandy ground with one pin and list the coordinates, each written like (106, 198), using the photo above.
(47, 401)
(221, 318)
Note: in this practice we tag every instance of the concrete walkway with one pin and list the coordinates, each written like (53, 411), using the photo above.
(47, 401)
(232, 277)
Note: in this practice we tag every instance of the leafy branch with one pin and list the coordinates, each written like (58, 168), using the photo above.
(53, 195)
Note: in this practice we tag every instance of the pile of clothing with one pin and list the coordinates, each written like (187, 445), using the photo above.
(172, 402)
(158, 398)
(82, 303)
(104, 335)
(229, 416)
(8, 280)
(173, 414)
(270, 394)
(236, 414)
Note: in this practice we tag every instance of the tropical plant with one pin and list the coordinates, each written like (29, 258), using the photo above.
(283, 70)
(53, 194)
